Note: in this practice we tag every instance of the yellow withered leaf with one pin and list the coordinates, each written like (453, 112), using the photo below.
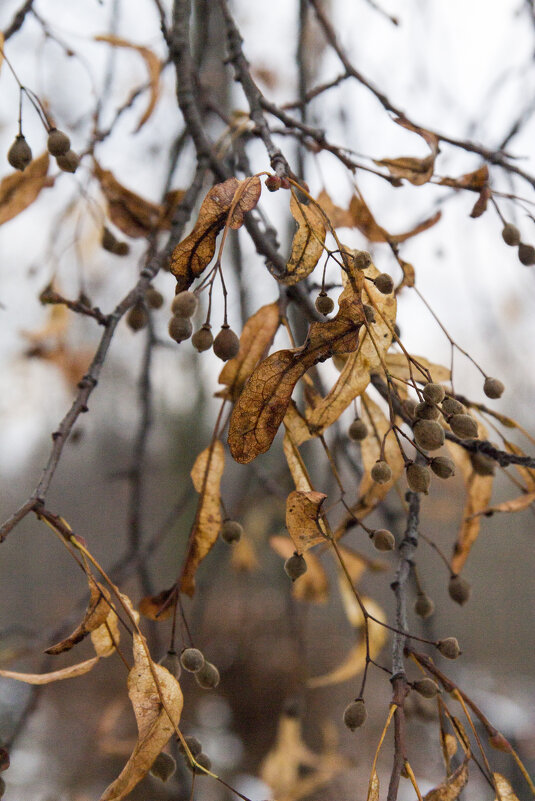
(398, 367)
(96, 613)
(308, 241)
(451, 788)
(70, 672)
(417, 171)
(106, 637)
(153, 64)
(132, 214)
(295, 463)
(256, 338)
(155, 727)
(471, 180)
(206, 476)
(303, 510)
(505, 791)
(514, 505)
(160, 606)
(20, 189)
(373, 787)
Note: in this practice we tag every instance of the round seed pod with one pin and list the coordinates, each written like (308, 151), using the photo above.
(369, 313)
(193, 744)
(426, 687)
(449, 647)
(58, 143)
(383, 539)
(273, 182)
(154, 298)
(191, 659)
(442, 466)
(426, 411)
(511, 234)
(204, 761)
(285, 183)
(208, 676)
(355, 714)
(409, 406)
(493, 388)
(137, 318)
(231, 531)
(184, 304)
(384, 283)
(69, 161)
(226, 344)
(424, 605)
(203, 339)
(434, 393)
(171, 662)
(452, 406)
(295, 566)
(463, 426)
(19, 154)
(108, 240)
(459, 590)
(428, 434)
(482, 464)
(121, 249)
(526, 254)
(324, 304)
(180, 328)
(381, 472)
(361, 260)
(418, 478)
(163, 767)
(358, 430)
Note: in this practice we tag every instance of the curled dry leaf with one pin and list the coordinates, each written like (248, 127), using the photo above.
(471, 180)
(70, 672)
(154, 66)
(19, 190)
(514, 505)
(206, 476)
(450, 789)
(312, 586)
(505, 791)
(415, 170)
(107, 636)
(157, 707)
(303, 510)
(398, 367)
(96, 613)
(160, 606)
(480, 206)
(195, 252)
(132, 214)
(448, 743)
(308, 241)
(256, 337)
(295, 463)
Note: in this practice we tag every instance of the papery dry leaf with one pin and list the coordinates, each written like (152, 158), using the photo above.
(256, 337)
(373, 787)
(206, 476)
(398, 367)
(261, 407)
(452, 787)
(107, 636)
(97, 611)
(245, 199)
(154, 66)
(471, 180)
(448, 743)
(303, 510)
(70, 672)
(20, 189)
(295, 463)
(153, 722)
(480, 206)
(132, 214)
(505, 791)
(417, 171)
(308, 241)
(152, 606)
(514, 505)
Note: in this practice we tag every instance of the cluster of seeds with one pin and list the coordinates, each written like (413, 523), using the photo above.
(383, 282)
(113, 245)
(138, 316)
(511, 237)
(225, 345)
(58, 145)
(206, 674)
(196, 752)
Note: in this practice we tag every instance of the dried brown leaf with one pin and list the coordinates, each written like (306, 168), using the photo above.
(514, 505)
(480, 206)
(96, 613)
(245, 199)
(303, 510)
(70, 672)
(131, 213)
(505, 791)
(20, 189)
(256, 338)
(451, 788)
(308, 241)
(398, 367)
(153, 722)
(206, 476)
(448, 744)
(160, 606)
(107, 636)
(373, 787)
(471, 180)
(295, 463)
(417, 171)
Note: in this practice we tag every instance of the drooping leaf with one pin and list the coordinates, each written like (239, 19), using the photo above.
(303, 510)
(70, 672)
(505, 791)
(155, 727)
(106, 637)
(206, 476)
(471, 180)
(373, 787)
(245, 199)
(399, 368)
(256, 337)
(133, 215)
(448, 743)
(20, 189)
(308, 241)
(417, 171)
(514, 505)
(450, 789)
(96, 613)
(154, 66)
(160, 606)
(295, 463)
(480, 206)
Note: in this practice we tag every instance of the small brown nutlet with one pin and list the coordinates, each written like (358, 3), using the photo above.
(154, 298)
(428, 434)
(231, 531)
(192, 659)
(163, 767)
(193, 744)
(418, 478)
(426, 687)
(324, 304)
(273, 182)
(493, 388)
(208, 676)
(482, 464)
(226, 344)
(358, 430)
(361, 260)
(180, 328)
(137, 318)
(171, 662)
(383, 539)
(19, 154)
(58, 143)
(203, 338)
(459, 590)
(449, 647)
(204, 761)
(511, 235)
(424, 606)
(526, 254)
(69, 161)
(381, 472)
(121, 249)
(285, 183)
(409, 406)
(463, 426)
(426, 411)
(355, 714)
(442, 466)
(108, 240)
(369, 313)
(384, 283)
(434, 393)
(185, 304)
(295, 566)
(452, 406)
